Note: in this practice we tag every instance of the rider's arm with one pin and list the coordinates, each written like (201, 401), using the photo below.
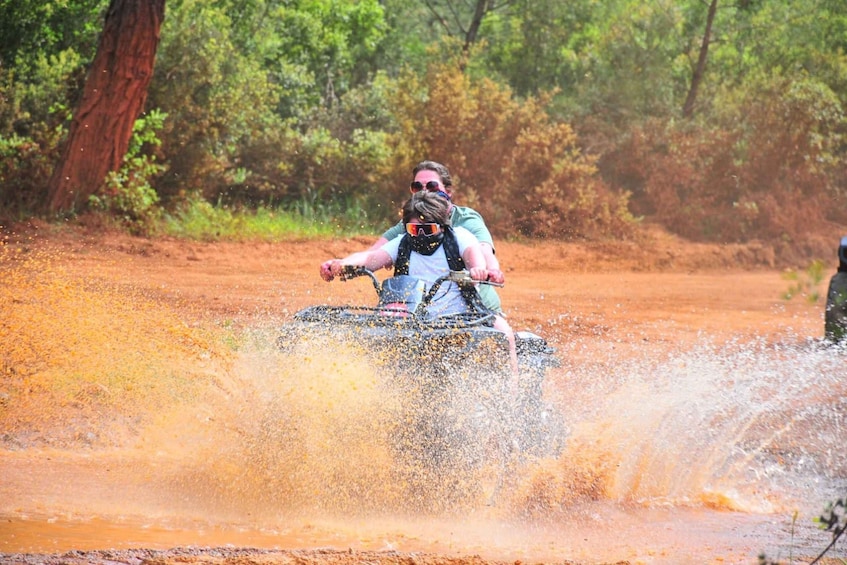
(326, 266)
(379, 243)
(373, 260)
(472, 254)
(492, 264)
(475, 262)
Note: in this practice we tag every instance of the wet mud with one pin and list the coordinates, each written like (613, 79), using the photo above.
(148, 416)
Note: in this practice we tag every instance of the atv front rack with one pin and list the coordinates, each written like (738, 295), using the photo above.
(365, 316)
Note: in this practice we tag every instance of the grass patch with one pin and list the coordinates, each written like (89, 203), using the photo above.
(202, 221)
(805, 283)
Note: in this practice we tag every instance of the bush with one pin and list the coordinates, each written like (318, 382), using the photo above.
(127, 194)
(25, 168)
(768, 167)
(33, 121)
(520, 169)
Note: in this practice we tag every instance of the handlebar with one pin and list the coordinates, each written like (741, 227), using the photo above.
(464, 277)
(461, 278)
(352, 271)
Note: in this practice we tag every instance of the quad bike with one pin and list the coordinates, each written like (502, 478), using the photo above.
(460, 406)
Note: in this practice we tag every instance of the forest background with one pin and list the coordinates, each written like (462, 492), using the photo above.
(719, 121)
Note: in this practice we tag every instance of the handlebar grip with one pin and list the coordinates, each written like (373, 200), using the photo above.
(351, 272)
(464, 277)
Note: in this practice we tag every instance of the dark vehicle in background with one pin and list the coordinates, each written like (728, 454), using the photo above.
(835, 316)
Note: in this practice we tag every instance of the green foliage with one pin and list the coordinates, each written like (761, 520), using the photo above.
(253, 131)
(200, 220)
(632, 63)
(217, 100)
(24, 171)
(44, 46)
(538, 45)
(833, 519)
(331, 38)
(37, 29)
(33, 121)
(333, 163)
(41, 101)
(315, 50)
(806, 283)
(127, 194)
(409, 30)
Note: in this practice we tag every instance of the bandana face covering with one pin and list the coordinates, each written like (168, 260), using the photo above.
(427, 244)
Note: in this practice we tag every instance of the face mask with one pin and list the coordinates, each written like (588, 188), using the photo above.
(427, 244)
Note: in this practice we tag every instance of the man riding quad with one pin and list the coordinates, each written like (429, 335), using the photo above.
(835, 317)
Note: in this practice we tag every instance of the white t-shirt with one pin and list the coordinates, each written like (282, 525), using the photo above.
(429, 268)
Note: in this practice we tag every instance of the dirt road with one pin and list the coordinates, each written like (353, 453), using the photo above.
(176, 303)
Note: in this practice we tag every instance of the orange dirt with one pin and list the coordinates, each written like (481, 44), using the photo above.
(659, 290)
(661, 293)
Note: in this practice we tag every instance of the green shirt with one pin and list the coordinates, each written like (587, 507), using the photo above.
(469, 219)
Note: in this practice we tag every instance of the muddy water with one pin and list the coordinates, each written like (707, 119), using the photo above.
(125, 426)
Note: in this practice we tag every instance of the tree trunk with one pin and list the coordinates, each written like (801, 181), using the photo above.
(113, 98)
(482, 7)
(700, 69)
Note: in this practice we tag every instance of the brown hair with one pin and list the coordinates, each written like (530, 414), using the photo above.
(442, 171)
(428, 207)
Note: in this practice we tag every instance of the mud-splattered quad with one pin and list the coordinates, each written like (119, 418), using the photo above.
(459, 403)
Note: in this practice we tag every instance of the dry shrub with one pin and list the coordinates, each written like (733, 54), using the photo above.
(766, 170)
(690, 182)
(521, 170)
(551, 189)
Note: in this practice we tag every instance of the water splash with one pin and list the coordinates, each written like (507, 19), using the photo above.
(329, 429)
(753, 427)
(209, 423)
(87, 364)
(743, 425)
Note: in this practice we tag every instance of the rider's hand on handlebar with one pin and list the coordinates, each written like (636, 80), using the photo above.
(496, 276)
(478, 273)
(330, 269)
